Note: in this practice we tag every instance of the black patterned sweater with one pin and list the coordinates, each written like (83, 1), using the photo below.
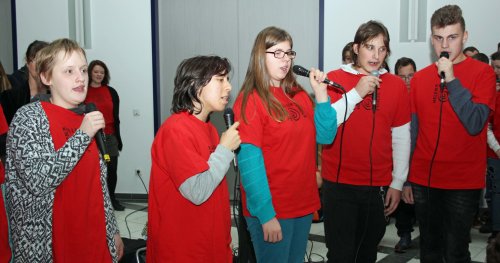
(34, 169)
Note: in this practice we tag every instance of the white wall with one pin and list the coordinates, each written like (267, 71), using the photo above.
(121, 37)
(342, 18)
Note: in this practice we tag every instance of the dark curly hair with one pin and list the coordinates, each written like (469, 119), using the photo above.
(192, 75)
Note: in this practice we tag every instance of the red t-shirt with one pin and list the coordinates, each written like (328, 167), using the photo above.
(104, 103)
(178, 230)
(78, 224)
(5, 252)
(393, 110)
(495, 124)
(460, 161)
(289, 151)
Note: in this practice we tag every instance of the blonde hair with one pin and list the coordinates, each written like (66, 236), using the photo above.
(45, 59)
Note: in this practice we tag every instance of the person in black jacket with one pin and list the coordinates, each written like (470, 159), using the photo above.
(24, 83)
(107, 101)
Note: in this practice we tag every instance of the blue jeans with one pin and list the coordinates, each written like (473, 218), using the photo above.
(445, 219)
(291, 248)
(492, 195)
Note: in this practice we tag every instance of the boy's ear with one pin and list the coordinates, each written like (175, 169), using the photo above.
(44, 80)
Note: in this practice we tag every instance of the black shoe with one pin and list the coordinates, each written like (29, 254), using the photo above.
(117, 206)
(403, 244)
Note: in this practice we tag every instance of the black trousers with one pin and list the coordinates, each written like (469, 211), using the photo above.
(112, 178)
(445, 219)
(354, 222)
(405, 218)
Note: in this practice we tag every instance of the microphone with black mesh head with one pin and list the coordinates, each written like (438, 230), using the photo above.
(99, 136)
(229, 120)
(441, 74)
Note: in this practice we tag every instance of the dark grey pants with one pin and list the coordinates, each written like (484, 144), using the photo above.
(445, 219)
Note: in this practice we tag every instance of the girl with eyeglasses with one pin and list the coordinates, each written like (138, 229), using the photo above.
(277, 155)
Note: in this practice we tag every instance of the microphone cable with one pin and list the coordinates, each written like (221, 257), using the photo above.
(144, 231)
(441, 99)
(365, 229)
(342, 136)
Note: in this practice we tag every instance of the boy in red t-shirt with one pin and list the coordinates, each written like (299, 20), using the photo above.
(451, 100)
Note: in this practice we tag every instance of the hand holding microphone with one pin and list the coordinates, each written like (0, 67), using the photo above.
(92, 124)
(367, 85)
(231, 137)
(445, 68)
(317, 81)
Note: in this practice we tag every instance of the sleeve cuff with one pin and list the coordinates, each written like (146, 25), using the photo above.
(397, 184)
(266, 213)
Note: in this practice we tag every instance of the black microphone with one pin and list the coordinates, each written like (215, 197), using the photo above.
(99, 136)
(229, 120)
(301, 71)
(446, 55)
(375, 73)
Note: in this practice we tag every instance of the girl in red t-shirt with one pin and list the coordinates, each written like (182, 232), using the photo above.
(188, 216)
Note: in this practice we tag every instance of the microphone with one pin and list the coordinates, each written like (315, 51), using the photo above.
(229, 120)
(375, 73)
(441, 74)
(301, 71)
(99, 136)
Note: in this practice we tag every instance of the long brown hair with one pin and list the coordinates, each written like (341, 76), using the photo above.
(4, 81)
(257, 77)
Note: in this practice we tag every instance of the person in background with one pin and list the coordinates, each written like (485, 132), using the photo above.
(363, 179)
(189, 218)
(57, 198)
(277, 156)
(24, 83)
(347, 54)
(470, 51)
(492, 195)
(405, 68)
(481, 57)
(5, 252)
(107, 101)
(451, 100)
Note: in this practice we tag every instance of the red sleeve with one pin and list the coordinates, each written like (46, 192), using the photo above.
(4, 127)
(176, 153)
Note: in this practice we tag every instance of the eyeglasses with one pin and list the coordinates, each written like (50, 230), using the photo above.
(406, 77)
(281, 54)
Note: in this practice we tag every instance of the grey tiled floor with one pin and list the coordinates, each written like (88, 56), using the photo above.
(477, 247)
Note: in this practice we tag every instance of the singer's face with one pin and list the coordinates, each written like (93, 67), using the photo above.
(68, 83)
(97, 73)
(371, 55)
(450, 39)
(277, 68)
(215, 95)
